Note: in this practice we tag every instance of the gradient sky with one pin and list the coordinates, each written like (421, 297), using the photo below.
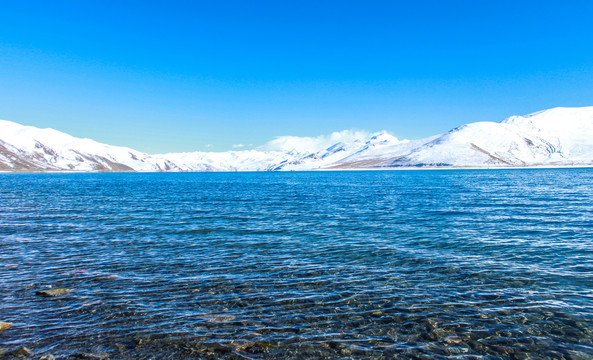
(204, 75)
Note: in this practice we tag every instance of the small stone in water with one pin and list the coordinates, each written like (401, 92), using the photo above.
(346, 352)
(503, 349)
(90, 356)
(106, 277)
(47, 357)
(453, 340)
(221, 318)
(432, 323)
(53, 292)
(22, 352)
(457, 350)
(5, 325)
(437, 334)
(243, 346)
(264, 345)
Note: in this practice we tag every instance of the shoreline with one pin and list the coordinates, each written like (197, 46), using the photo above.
(399, 168)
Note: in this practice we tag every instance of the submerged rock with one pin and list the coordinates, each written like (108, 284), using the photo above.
(47, 357)
(90, 356)
(453, 340)
(221, 319)
(53, 292)
(106, 277)
(5, 325)
(22, 352)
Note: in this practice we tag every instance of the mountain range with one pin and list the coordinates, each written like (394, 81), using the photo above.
(554, 137)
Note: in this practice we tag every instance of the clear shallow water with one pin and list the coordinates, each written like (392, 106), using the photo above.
(411, 264)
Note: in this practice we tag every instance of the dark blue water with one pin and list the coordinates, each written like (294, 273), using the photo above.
(410, 264)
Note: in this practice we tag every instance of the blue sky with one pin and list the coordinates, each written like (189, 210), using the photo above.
(204, 75)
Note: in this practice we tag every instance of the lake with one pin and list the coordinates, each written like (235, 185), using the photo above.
(368, 264)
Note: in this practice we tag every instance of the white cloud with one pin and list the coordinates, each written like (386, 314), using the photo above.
(238, 146)
(302, 144)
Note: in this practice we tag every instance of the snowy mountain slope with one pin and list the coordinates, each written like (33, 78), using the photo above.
(247, 160)
(373, 146)
(569, 130)
(559, 136)
(30, 148)
(26, 148)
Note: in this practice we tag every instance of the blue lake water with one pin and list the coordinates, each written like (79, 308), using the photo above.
(411, 264)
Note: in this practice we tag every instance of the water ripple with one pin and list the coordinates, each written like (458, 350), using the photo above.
(407, 264)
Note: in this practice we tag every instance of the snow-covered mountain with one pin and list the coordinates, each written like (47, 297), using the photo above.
(559, 136)
(26, 148)
(555, 137)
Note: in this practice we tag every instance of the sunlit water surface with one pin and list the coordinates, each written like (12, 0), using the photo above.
(409, 264)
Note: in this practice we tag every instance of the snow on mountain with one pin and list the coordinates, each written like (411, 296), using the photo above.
(310, 145)
(246, 160)
(569, 130)
(30, 148)
(559, 136)
(372, 145)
